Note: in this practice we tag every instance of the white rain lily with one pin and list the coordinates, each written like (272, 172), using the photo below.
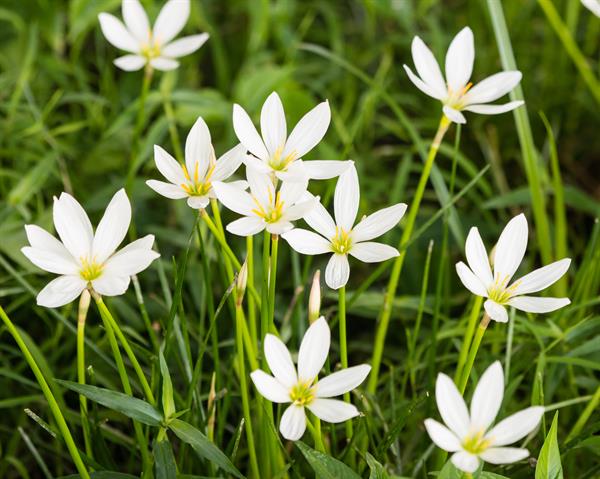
(593, 6)
(301, 388)
(341, 237)
(467, 433)
(147, 46)
(264, 207)
(509, 252)
(194, 179)
(85, 259)
(276, 152)
(455, 91)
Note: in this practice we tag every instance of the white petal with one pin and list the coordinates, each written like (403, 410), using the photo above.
(504, 455)
(116, 33)
(130, 63)
(291, 191)
(319, 219)
(269, 387)
(309, 131)
(532, 304)
(171, 20)
(593, 6)
(247, 226)
(487, 397)
(51, 261)
(307, 242)
(496, 311)
(60, 291)
(234, 198)
(459, 60)
(280, 227)
(108, 285)
(494, 109)
(247, 134)
(133, 258)
(261, 187)
(293, 423)
(346, 198)
(112, 227)
(337, 271)
(136, 20)
(541, 278)
(515, 427)
(510, 248)
(451, 406)
(465, 461)
(333, 410)
(184, 46)
(477, 257)
(372, 252)
(39, 238)
(198, 150)
(428, 68)
(164, 64)
(469, 280)
(280, 361)
(424, 87)
(325, 169)
(294, 172)
(272, 124)
(342, 381)
(198, 202)
(378, 223)
(255, 163)
(493, 87)
(313, 350)
(229, 162)
(454, 115)
(300, 210)
(443, 437)
(168, 166)
(167, 190)
(73, 226)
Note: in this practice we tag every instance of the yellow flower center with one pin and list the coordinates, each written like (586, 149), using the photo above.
(499, 293)
(455, 98)
(278, 163)
(151, 49)
(90, 269)
(195, 187)
(271, 213)
(341, 242)
(302, 393)
(476, 443)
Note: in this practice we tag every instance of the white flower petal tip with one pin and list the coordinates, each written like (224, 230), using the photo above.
(593, 6)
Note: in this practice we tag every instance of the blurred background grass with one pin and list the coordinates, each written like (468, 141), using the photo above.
(66, 124)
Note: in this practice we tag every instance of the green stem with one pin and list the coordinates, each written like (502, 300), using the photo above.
(172, 123)
(273, 281)
(473, 352)
(239, 320)
(344, 358)
(585, 415)
(464, 349)
(84, 304)
(251, 302)
(315, 432)
(54, 407)
(144, 312)
(264, 310)
(386, 311)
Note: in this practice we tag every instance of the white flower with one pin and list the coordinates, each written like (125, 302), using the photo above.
(194, 179)
(84, 259)
(150, 46)
(341, 237)
(467, 433)
(264, 207)
(281, 154)
(593, 6)
(455, 91)
(301, 388)
(509, 252)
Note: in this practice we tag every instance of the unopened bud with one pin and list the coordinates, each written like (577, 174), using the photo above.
(241, 282)
(314, 299)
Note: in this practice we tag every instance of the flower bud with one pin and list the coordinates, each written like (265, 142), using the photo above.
(314, 299)
(241, 282)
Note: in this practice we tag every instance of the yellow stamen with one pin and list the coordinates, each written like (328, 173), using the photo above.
(90, 269)
(302, 393)
(341, 242)
(476, 443)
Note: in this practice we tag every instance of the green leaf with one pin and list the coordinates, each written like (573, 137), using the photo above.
(325, 467)
(134, 408)
(491, 475)
(449, 472)
(377, 470)
(398, 425)
(203, 447)
(168, 403)
(549, 465)
(164, 461)
(102, 475)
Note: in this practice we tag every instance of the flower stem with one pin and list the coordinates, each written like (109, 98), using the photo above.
(239, 319)
(464, 349)
(251, 302)
(84, 305)
(264, 310)
(473, 352)
(144, 312)
(273, 280)
(54, 407)
(592, 406)
(315, 432)
(344, 358)
(386, 310)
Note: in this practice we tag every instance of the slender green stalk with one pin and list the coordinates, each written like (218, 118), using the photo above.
(464, 349)
(84, 305)
(220, 238)
(315, 432)
(264, 310)
(344, 359)
(590, 408)
(386, 311)
(251, 302)
(273, 281)
(485, 321)
(144, 312)
(239, 319)
(54, 407)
